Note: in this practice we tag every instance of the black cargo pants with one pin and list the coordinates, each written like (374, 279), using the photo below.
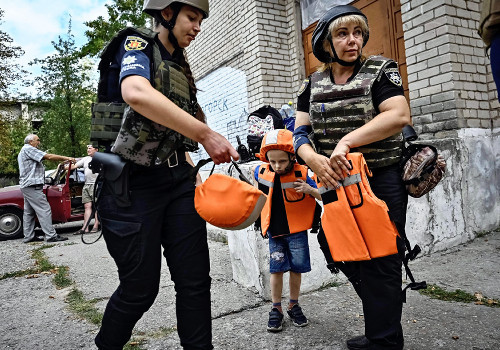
(378, 281)
(161, 214)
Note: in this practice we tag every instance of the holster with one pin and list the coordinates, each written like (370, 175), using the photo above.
(115, 172)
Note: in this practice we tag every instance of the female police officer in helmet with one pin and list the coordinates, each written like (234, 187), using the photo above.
(357, 104)
(160, 213)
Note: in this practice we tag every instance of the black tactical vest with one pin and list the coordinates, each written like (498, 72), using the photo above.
(128, 133)
(336, 110)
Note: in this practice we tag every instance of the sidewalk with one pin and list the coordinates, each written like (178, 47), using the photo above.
(35, 316)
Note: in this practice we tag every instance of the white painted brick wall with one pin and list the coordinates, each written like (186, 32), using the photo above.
(449, 76)
(259, 38)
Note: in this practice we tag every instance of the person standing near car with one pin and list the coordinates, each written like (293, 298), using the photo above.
(357, 104)
(147, 74)
(88, 190)
(31, 181)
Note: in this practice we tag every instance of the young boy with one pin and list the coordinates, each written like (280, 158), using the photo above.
(285, 219)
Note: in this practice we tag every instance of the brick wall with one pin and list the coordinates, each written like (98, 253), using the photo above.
(262, 40)
(449, 78)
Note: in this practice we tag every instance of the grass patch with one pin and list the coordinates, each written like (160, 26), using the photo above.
(135, 343)
(41, 259)
(330, 285)
(61, 279)
(42, 264)
(84, 308)
(435, 292)
(20, 273)
(162, 332)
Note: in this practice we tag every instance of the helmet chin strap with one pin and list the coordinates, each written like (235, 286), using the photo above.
(338, 60)
(170, 26)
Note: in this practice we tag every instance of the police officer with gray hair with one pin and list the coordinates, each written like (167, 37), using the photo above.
(147, 114)
(357, 104)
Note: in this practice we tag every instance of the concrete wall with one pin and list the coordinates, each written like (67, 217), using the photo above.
(453, 103)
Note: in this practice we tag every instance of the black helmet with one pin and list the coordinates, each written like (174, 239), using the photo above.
(321, 31)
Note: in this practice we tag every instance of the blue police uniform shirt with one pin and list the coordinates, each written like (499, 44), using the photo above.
(133, 57)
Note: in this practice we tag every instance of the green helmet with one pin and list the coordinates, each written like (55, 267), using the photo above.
(150, 6)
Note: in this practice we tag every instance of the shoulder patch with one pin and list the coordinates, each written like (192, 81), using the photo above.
(393, 75)
(135, 43)
(303, 87)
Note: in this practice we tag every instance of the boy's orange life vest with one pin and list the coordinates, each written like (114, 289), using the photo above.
(356, 223)
(299, 207)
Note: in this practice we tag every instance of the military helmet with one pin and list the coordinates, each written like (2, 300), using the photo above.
(280, 139)
(154, 5)
(321, 32)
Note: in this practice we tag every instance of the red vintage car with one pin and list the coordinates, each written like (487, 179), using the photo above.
(64, 192)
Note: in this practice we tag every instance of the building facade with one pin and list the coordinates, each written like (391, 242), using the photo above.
(253, 52)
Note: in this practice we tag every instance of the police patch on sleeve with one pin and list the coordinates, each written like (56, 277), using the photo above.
(303, 87)
(135, 43)
(393, 75)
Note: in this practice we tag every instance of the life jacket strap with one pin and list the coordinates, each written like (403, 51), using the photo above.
(411, 255)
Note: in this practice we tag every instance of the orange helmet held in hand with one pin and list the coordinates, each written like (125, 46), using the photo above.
(227, 202)
(280, 139)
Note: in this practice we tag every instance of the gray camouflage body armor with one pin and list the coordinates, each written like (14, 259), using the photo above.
(131, 135)
(336, 110)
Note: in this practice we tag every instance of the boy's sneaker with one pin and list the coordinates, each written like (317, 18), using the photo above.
(275, 323)
(296, 315)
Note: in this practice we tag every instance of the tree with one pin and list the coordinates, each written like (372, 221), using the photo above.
(66, 85)
(121, 13)
(9, 71)
(11, 141)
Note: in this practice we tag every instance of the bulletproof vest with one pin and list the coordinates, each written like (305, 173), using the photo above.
(129, 134)
(336, 110)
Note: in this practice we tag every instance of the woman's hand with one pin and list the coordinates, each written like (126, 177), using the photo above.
(338, 160)
(321, 166)
(219, 148)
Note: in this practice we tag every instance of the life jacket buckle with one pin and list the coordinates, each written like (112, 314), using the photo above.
(173, 160)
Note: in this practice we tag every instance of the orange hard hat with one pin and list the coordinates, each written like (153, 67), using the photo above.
(280, 139)
(229, 203)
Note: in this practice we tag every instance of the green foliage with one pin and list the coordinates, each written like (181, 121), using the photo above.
(11, 141)
(121, 13)
(66, 85)
(9, 72)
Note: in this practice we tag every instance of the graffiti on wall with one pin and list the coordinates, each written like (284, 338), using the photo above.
(223, 97)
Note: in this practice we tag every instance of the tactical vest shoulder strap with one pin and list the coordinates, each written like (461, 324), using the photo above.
(375, 65)
(110, 49)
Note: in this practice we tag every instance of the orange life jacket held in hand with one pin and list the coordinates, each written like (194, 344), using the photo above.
(356, 223)
(299, 207)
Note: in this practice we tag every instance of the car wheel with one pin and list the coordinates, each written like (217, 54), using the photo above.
(11, 223)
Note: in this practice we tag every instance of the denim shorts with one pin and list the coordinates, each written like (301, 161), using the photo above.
(289, 253)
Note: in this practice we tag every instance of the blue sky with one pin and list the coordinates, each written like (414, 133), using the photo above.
(34, 24)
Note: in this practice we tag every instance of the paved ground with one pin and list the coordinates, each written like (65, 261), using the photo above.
(34, 314)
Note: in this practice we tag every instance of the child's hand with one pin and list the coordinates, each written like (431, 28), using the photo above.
(301, 186)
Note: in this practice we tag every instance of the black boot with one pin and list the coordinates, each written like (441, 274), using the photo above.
(358, 343)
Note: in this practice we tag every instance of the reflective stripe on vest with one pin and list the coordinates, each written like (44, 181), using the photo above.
(137, 138)
(356, 223)
(336, 110)
(299, 207)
